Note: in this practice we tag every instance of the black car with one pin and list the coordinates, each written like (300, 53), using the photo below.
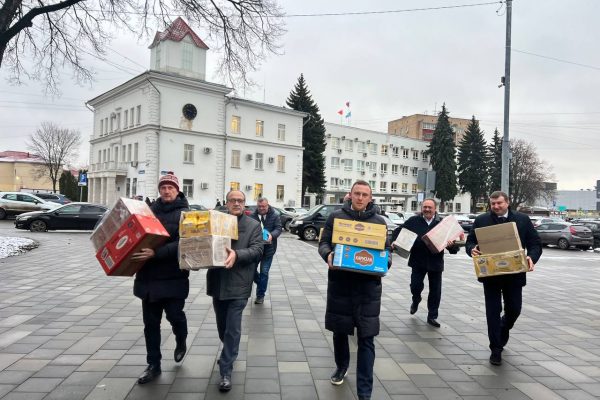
(594, 227)
(286, 217)
(80, 216)
(308, 225)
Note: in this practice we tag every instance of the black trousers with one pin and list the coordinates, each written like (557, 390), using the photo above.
(365, 359)
(152, 313)
(229, 326)
(435, 289)
(496, 289)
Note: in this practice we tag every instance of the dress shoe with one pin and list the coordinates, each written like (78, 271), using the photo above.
(179, 352)
(151, 373)
(225, 384)
(414, 307)
(259, 300)
(338, 376)
(496, 358)
(433, 322)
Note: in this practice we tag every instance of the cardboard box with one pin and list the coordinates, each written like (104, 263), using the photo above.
(358, 233)
(510, 262)
(207, 223)
(498, 238)
(357, 259)
(202, 252)
(447, 229)
(404, 242)
(137, 232)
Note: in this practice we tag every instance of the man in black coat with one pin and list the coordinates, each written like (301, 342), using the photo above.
(424, 262)
(509, 287)
(271, 222)
(160, 283)
(230, 287)
(353, 298)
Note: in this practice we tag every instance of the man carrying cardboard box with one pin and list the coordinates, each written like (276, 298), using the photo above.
(353, 298)
(509, 286)
(160, 283)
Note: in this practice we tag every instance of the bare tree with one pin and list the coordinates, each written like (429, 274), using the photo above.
(55, 146)
(528, 174)
(39, 38)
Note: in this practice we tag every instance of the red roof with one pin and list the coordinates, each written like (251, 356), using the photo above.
(176, 32)
(17, 155)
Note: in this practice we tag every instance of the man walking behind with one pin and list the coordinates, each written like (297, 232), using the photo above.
(230, 287)
(510, 286)
(271, 222)
(353, 299)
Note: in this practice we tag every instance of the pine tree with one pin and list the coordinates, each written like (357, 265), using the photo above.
(473, 163)
(495, 164)
(313, 139)
(442, 153)
(67, 185)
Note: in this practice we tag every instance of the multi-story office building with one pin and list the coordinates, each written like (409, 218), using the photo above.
(421, 127)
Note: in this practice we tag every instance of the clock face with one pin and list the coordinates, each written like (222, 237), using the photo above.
(189, 111)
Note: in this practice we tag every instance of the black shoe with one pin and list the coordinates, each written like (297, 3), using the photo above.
(225, 384)
(338, 376)
(259, 300)
(179, 352)
(414, 307)
(496, 358)
(364, 397)
(151, 373)
(433, 322)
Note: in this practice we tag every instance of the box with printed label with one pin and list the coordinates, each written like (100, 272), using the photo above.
(358, 259)
(447, 229)
(510, 262)
(359, 233)
(137, 232)
(202, 252)
(207, 223)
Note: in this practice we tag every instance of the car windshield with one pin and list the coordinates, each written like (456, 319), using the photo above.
(300, 210)
(314, 210)
(394, 217)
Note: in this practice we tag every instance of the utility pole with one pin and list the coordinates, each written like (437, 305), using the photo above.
(505, 137)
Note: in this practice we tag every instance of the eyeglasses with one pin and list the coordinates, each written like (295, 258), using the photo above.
(236, 201)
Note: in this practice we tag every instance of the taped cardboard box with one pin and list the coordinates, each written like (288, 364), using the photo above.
(498, 238)
(203, 252)
(207, 223)
(404, 242)
(357, 259)
(510, 262)
(447, 229)
(359, 234)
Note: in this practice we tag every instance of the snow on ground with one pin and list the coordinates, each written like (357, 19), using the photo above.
(12, 246)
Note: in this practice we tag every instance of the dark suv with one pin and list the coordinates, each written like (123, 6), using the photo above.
(594, 226)
(308, 225)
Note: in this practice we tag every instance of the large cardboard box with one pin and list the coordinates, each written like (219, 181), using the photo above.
(358, 233)
(447, 229)
(501, 251)
(207, 223)
(357, 259)
(498, 238)
(510, 262)
(137, 232)
(202, 252)
(404, 242)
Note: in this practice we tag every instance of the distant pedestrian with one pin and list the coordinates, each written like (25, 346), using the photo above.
(148, 201)
(218, 203)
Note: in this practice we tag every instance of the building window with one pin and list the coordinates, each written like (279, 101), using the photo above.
(235, 158)
(414, 188)
(128, 188)
(349, 145)
(280, 192)
(404, 153)
(129, 152)
(138, 116)
(334, 183)
(404, 170)
(450, 207)
(413, 205)
(280, 163)
(118, 127)
(234, 186)
(394, 187)
(383, 168)
(373, 167)
(335, 143)
(361, 147)
(372, 184)
(236, 124)
(458, 207)
(131, 114)
(424, 155)
(415, 154)
(260, 128)
(125, 119)
(383, 186)
(258, 191)
(415, 171)
(428, 125)
(135, 151)
(360, 165)
(99, 156)
(108, 155)
(157, 61)
(101, 126)
(134, 187)
(188, 153)
(405, 188)
(335, 162)
(258, 161)
(347, 184)
(187, 56)
(188, 188)
(123, 152)
(396, 152)
(116, 153)
(281, 132)
(394, 169)
(384, 149)
(347, 164)
(373, 148)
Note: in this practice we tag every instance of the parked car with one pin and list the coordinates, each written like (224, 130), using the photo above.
(54, 198)
(465, 221)
(395, 218)
(565, 235)
(81, 216)
(390, 225)
(14, 203)
(285, 216)
(296, 210)
(546, 220)
(308, 226)
(247, 210)
(594, 226)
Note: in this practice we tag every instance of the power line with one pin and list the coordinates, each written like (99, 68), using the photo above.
(557, 59)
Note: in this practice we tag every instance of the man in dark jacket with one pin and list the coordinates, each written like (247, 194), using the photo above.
(231, 286)
(509, 287)
(271, 222)
(160, 283)
(353, 299)
(424, 262)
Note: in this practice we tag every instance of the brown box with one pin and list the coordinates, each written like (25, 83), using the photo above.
(203, 252)
(437, 238)
(207, 223)
(359, 234)
(498, 238)
(510, 262)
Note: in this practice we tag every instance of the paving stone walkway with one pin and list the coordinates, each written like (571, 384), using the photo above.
(69, 332)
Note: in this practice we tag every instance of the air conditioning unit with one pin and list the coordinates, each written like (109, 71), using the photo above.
(343, 137)
(204, 185)
(368, 141)
(382, 174)
(391, 146)
(375, 175)
(248, 157)
(343, 161)
(207, 150)
(362, 172)
(271, 160)
(364, 154)
(134, 164)
(329, 135)
(401, 147)
(367, 163)
(356, 139)
(248, 187)
(339, 151)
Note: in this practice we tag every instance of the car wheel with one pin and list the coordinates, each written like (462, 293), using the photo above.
(38, 226)
(2, 213)
(309, 233)
(563, 244)
(287, 225)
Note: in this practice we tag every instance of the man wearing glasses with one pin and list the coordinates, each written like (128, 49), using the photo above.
(230, 287)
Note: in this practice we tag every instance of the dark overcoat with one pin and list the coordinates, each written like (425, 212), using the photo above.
(273, 225)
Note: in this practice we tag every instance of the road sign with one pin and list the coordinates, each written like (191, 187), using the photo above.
(82, 179)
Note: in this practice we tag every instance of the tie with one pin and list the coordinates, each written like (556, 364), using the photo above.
(501, 220)
(262, 221)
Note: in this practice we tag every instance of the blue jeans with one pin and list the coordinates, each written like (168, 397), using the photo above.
(365, 359)
(262, 279)
(229, 325)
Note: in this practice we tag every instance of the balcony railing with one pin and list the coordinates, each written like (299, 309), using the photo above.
(111, 166)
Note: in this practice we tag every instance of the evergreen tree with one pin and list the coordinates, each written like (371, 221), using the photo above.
(67, 185)
(495, 165)
(442, 153)
(313, 139)
(473, 163)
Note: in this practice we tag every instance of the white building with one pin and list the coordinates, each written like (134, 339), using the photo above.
(389, 163)
(170, 119)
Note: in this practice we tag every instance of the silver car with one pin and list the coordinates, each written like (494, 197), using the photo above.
(13, 203)
(565, 235)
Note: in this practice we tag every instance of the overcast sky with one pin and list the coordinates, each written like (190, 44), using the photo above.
(395, 64)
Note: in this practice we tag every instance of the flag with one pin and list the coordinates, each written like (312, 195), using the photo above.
(341, 112)
(348, 114)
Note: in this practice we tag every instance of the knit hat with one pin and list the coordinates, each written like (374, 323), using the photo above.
(170, 179)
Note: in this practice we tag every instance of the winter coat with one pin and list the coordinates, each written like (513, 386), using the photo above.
(530, 240)
(160, 277)
(272, 224)
(353, 298)
(420, 256)
(236, 282)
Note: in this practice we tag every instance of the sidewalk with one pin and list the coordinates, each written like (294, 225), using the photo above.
(69, 332)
